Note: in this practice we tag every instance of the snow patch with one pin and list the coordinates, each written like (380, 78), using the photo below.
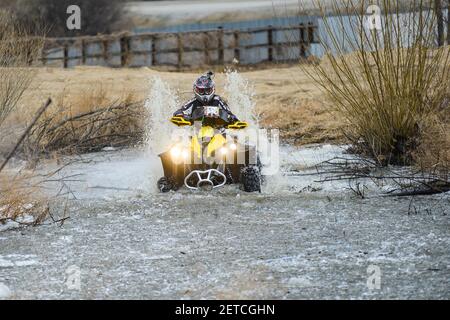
(9, 225)
(160, 257)
(299, 282)
(5, 292)
(5, 263)
(16, 260)
(25, 263)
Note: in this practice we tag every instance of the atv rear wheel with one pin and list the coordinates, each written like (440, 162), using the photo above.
(251, 179)
(165, 184)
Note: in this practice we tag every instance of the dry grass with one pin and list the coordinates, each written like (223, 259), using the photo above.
(433, 152)
(302, 121)
(19, 200)
(17, 51)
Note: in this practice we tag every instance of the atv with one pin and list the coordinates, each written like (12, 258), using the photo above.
(211, 156)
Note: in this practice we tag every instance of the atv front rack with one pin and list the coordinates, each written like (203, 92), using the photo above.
(202, 182)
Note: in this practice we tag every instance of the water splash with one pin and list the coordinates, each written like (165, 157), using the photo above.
(162, 101)
(240, 95)
(241, 99)
(160, 104)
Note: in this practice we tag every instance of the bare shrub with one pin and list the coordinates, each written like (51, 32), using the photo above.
(392, 83)
(17, 51)
(88, 123)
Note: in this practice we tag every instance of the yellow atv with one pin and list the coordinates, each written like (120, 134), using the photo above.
(210, 158)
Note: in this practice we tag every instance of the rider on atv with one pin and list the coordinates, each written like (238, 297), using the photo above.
(208, 159)
(204, 90)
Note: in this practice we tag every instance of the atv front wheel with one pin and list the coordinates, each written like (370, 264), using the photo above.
(251, 179)
(165, 185)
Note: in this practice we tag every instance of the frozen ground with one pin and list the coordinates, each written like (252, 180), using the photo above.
(297, 239)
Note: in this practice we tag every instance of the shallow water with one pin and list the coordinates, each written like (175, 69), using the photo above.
(299, 238)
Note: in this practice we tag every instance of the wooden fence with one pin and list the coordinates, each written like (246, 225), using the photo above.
(184, 49)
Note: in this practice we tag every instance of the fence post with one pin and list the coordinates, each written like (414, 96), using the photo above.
(66, 55)
(124, 51)
(153, 50)
(220, 52)
(43, 56)
(83, 52)
(301, 33)
(105, 52)
(206, 48)
(270, 44)
(180, 50)
(310, 33)
(302, 40)
(237, 51)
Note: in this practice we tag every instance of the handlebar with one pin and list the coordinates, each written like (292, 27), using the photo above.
(210, 116)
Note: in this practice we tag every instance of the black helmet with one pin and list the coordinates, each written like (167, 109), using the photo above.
(204, 88)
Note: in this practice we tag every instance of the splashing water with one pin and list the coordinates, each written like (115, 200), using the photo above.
(240, 95)
(162, 101)
(160, 104)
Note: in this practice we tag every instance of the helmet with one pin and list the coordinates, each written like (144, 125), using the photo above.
(204, 88)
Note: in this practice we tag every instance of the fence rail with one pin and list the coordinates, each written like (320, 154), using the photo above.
(183, 49)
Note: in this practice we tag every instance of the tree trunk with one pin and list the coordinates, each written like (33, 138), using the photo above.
(440, 22)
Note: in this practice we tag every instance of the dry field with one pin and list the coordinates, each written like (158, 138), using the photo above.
(286, 98)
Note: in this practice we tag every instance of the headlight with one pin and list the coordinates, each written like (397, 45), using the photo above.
(175, 152)
(223, 150)
(179, 153)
